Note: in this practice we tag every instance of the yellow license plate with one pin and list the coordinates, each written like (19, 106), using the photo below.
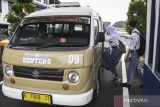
(38, 98)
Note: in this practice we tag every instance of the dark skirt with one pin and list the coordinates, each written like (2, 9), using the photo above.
(110, 59)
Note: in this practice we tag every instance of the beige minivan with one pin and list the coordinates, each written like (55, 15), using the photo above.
(54, 57)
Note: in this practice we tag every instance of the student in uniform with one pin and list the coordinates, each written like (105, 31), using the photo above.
(113, 53)
(134, 59)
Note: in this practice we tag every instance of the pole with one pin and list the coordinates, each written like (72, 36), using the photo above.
(47, 3)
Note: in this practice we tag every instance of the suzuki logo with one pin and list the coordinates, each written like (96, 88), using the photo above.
(35, 74)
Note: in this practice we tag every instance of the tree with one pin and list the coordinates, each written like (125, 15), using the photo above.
(137, 11)
(20, 8)
(119, 24)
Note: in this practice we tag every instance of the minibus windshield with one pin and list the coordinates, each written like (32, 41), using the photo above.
(66, 31)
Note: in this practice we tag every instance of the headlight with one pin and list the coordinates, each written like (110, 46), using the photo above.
(73, 76)
(8, 71)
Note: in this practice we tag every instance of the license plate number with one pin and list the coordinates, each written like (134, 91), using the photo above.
(38, 98)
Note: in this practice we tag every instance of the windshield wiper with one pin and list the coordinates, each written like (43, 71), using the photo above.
(47, 45)
(23, 44)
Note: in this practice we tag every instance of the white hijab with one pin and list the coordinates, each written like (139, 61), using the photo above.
(111, 30)
(112, 36)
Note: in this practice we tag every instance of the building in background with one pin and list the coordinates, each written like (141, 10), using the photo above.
(3, 22)
(5, 7)
(151, 76)
(41, 4)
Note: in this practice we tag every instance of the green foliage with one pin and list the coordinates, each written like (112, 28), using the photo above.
(17, 15)
(12, 17)
(17, 7)
(31, 7)
(119, 24)
(137, 11)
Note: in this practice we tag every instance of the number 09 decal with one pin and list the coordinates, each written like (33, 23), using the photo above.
(73, 59)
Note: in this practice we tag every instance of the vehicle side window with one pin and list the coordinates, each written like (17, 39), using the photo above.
(78, 28)
(29, 29)
(66, 28)
(58, 28)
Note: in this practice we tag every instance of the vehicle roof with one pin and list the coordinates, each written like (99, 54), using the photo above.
(82, 11)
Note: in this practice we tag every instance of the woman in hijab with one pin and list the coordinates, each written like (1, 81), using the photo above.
(113, 56)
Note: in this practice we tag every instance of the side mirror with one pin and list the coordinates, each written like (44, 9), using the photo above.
(100, 37)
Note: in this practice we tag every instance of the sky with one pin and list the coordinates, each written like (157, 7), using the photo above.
(110, 10)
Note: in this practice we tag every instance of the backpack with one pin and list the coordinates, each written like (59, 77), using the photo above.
(141, 49)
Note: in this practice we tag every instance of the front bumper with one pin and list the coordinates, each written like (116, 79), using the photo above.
(59, 99)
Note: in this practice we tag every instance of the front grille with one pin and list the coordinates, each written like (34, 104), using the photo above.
(39, 73)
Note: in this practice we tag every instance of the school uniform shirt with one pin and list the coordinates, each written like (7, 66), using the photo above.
(111, 40)
(135, 40)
